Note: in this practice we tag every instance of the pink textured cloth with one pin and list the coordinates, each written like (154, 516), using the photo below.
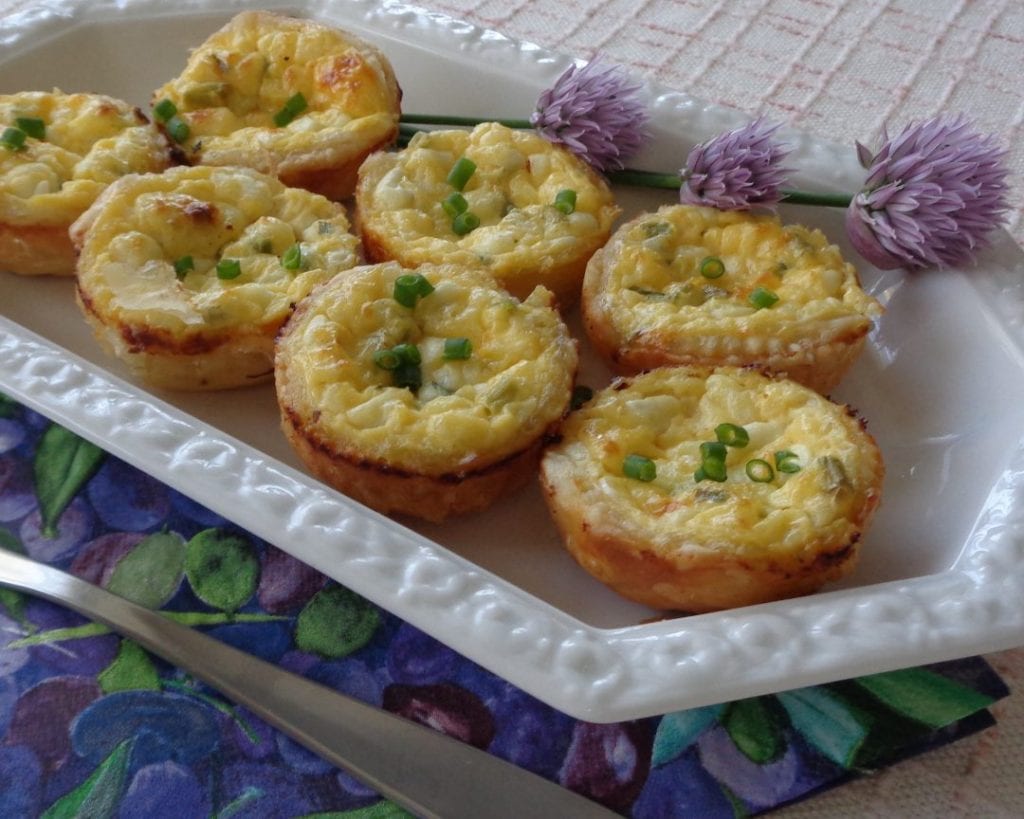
(841, 70)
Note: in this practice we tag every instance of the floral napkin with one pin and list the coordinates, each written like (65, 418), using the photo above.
(92, 725)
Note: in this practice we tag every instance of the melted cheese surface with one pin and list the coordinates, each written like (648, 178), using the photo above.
(241, 76)
(90, 141)
(653, 284)
(666, 414)
(515, 384)
(512, 192)
(138, 230)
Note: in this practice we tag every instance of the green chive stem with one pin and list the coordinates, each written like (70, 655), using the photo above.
(441, 119)
(461, 171)
(672, 181)
(639, 468)
(759, 470)
(732, 435)
(457, 349)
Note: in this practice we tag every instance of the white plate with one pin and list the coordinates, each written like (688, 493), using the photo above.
(942, 386)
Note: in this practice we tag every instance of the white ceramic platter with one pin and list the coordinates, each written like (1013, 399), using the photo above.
(942, 386)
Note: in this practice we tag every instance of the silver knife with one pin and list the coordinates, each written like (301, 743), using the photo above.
(424, 771)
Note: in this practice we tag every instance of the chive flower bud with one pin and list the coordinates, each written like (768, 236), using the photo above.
(596, 113)
(932, 197)
(736, 170)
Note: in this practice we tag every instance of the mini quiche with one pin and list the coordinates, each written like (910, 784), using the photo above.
(57, 153)
(294, 98)
(425, 393)
(188, 275)
(506, 201)
(693, 285)
(697, 490)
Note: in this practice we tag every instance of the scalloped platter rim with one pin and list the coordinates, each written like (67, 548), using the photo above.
(940, 384)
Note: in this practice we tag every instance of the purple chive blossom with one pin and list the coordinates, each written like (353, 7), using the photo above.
(736, 170)
(596, 113)
(932, 196)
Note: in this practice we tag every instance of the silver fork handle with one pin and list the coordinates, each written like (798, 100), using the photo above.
(426, 772)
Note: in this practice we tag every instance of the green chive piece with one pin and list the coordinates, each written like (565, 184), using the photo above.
(760, 471)
(711, 267)
(229, 269)
(386, 359)
(409, 376)
(714, 469)
(639, 468)
(410, 287)
(762, 297)
(581, 393)
(33, 126)
(460, 173)
(292, 259)
(732, 435)
(787, 461)
(465, 223)
(455, 204)
(13, 139)
(178, 129)
(183, 266)
(294, 106)
(712, 451)
(565, 201)
(407, 353)
(164, 110)
(457, 349)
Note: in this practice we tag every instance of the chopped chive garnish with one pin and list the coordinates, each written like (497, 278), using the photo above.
(455, 204)
(712, 450)
(465, 223)
(460, 173)
(759, 470)
(409, 287)
(183, 266)
(711, 267)
(639, 468)
(407, 353)
(457, 349)
(732, 435)
(294, 106)
(178, 129)
(386, 359)
(13, 139)
(229, 269)
(33, 126)
(762, 297)
(580, 395)
(713, 470)
(291, 259)
(787, 461)
(164, 110)
(409, 376)
(565, 201)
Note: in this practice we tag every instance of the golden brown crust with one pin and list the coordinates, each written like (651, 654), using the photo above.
(472, 431)
(642, 303)
(522, 240)
(36, 250)
(195, 329)
(242, 76)
(698, 546)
